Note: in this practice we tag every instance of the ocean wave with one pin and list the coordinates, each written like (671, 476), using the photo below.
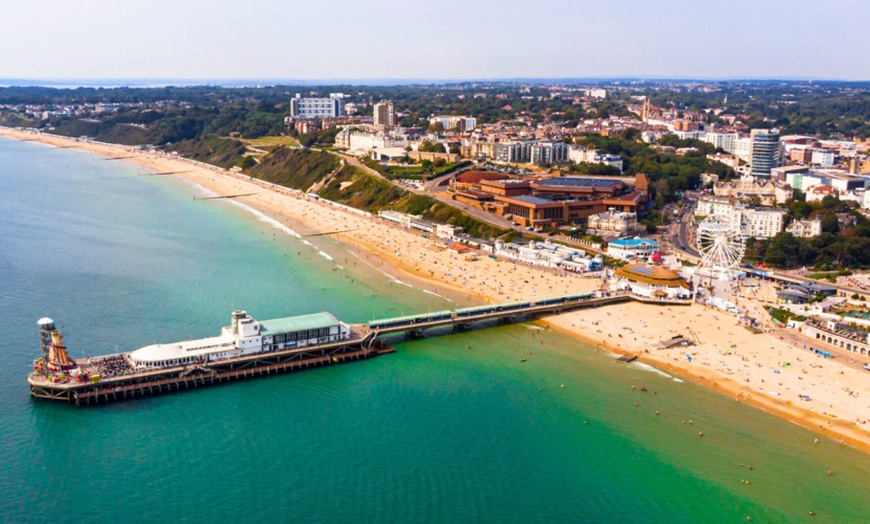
(647, 367)
(268, 220)
(281, 227)
(437, 295)
(201, 189)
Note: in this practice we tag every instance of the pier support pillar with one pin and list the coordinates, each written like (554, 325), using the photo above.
(459, 327)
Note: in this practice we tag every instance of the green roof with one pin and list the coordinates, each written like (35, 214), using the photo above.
(279, 326)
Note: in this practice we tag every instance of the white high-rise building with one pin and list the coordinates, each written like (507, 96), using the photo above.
(315, 107)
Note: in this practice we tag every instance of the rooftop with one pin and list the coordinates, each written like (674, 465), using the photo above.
(529, 199)
(301, 323)
(187, 348)
(579, 182)
(654, 275)
(474, 177)
(632, 242)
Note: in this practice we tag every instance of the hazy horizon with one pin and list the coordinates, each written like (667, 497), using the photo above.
(463, 41)
(108, 83)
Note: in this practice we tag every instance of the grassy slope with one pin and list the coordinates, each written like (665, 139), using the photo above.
(223, 152)
(295, 168)
(364, 191)
(14, 120)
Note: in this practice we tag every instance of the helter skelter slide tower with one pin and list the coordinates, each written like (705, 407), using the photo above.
(54, 356)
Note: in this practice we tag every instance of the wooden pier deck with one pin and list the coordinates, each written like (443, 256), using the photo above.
(531, 311)
(152, 382)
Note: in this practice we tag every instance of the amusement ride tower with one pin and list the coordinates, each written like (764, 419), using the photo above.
(54, 355)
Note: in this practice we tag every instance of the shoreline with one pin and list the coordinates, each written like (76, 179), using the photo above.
(405, 256)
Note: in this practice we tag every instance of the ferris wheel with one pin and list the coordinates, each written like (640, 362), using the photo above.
(722, 246)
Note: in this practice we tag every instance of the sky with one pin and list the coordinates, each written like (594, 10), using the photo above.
(447, 39)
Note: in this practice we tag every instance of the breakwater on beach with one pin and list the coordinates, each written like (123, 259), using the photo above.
(448, 429)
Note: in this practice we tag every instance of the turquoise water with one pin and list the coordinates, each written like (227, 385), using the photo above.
(452, 428)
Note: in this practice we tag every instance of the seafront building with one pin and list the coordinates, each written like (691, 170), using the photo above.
(548, 254)
(245, 336)
(838, 334)
(555, 201)
(632, 248)
(653, 282)
(612, 223)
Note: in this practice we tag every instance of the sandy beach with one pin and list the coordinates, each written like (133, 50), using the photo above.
(759, 369)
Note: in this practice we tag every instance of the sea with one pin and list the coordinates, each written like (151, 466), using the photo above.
(451, 428)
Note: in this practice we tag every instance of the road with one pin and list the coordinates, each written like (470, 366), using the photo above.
(432, 185)
(679, 232)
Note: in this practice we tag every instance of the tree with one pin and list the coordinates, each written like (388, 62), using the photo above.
(247, 162)
(429, 147)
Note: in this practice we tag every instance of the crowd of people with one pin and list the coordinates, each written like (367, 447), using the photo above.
(113, 366)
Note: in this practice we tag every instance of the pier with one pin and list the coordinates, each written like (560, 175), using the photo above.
(362, 341)
(462, 319)
(361, 345)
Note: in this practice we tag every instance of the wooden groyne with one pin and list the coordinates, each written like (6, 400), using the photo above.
(224, 197)
(164, 173)
(330, 233)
